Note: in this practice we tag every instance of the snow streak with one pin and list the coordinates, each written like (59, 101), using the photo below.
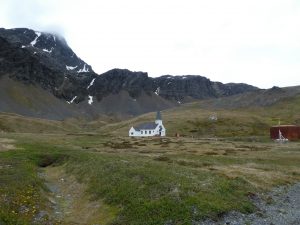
(38, 34)
(70, 102)
(83, 70)
(91, 84)
(49, 51)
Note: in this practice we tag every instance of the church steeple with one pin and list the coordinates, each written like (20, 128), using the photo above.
(158, 116)
(158, 119)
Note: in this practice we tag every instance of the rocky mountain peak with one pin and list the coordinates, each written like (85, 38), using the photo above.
(51, 47)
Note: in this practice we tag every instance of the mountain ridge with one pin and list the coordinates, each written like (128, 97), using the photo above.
(45, 60)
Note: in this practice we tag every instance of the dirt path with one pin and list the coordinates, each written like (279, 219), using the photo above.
(279, 207)
(69, 202)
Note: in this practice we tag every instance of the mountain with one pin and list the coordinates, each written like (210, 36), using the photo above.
(35, 64)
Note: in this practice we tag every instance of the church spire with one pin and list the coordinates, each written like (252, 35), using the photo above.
(158, 116)
(158, 119)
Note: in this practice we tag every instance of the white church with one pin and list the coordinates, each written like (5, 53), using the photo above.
(149, 129)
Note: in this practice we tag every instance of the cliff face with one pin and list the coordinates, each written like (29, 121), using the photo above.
(174, 88)
(45, 61)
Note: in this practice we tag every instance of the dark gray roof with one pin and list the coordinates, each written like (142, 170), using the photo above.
(146, 126)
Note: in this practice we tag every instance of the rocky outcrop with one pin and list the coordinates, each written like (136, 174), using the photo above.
(174, 88)
(116, 80)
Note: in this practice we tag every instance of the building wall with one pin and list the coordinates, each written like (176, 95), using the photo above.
(163, 131)
(142, 133)
(289, 132)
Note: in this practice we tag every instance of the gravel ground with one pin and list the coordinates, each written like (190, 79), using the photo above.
(279, 207)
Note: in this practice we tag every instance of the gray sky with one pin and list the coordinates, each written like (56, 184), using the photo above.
(251, 41)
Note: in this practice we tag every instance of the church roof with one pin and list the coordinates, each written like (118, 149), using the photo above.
(146, 126)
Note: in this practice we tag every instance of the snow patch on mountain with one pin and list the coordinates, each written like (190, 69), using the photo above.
(84, 69)
(71, 67)
(38, 34)
(157, 91)
(70, 102)
(90, 99)
(91, 84)
(49, 51)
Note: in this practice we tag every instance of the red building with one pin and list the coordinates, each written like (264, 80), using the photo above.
(291, 132)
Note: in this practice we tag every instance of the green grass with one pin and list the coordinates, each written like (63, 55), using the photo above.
(20, 189)
(151, 192)
(148, 181)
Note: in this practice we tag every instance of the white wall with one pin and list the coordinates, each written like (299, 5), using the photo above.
(142, 133)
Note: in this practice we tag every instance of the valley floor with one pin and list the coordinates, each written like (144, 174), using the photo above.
(88, 178)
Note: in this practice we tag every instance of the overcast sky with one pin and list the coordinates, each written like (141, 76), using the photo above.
(251, 41)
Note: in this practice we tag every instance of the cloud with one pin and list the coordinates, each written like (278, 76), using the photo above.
(34, 14)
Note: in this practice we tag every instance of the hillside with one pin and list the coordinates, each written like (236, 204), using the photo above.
(31, 100)
(259, 98)
(191, 119)
(241, 119)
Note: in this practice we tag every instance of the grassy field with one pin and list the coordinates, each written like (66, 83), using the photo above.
(138, 181)
(90, 172)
